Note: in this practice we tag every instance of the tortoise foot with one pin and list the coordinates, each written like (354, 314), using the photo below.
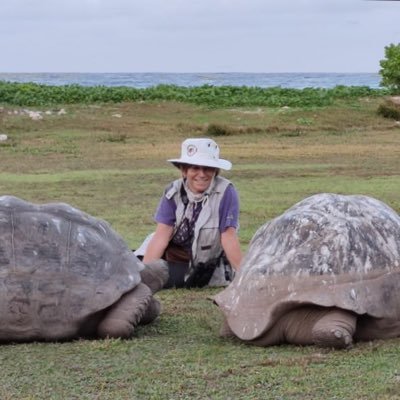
(122, 318)
(335, 329)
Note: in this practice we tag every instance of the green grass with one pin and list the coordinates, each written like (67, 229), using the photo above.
(181, 357)
(116, 169)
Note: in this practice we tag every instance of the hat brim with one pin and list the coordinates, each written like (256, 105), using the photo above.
(220, 163)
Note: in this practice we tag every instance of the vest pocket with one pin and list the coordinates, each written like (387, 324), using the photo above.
(208, 245)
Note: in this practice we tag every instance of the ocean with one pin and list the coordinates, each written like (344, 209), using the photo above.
(144, 80)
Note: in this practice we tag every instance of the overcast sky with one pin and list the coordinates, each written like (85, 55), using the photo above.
(196, 35)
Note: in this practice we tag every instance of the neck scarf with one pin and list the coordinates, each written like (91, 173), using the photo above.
(194, 200)
(185, 231)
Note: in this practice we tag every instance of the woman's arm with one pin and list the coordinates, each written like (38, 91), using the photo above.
(158, 242)
(231, 246)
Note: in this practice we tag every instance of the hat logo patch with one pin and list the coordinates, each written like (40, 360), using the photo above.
(191, 150)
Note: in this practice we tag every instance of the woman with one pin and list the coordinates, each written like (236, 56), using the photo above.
(197, 220)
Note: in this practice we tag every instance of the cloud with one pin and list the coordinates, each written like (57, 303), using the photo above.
(196, 35)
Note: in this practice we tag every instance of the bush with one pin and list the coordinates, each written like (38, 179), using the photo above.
(218, 130)
(390, 68)
(390, 109)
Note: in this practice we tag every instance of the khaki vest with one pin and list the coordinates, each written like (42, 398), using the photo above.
(207, 238)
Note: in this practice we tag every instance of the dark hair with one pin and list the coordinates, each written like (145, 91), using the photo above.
(184, 167)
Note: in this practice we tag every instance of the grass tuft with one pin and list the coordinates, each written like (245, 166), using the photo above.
(389, 111)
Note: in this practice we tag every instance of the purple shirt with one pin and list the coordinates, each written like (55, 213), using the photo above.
(228, 210)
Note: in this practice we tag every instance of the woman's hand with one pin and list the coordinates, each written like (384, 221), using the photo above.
(231, 246)
(158, 243)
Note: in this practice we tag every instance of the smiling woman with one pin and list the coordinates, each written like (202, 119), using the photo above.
(198, 178)
(197, 219)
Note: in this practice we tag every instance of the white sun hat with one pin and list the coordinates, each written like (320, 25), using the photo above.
(203, 152)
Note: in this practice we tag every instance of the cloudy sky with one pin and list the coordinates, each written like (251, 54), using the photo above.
(196, 35)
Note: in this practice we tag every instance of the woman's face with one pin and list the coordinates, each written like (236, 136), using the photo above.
(198, 178)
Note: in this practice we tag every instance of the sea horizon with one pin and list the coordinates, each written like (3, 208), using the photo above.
(297, 80)
(186, 72)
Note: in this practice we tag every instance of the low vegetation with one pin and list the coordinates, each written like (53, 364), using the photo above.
(31, 94)
(109, 159)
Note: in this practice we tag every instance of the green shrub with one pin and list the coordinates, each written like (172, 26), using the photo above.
(390, 67)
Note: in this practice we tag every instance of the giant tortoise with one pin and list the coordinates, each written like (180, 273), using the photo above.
(326, 272)
(65, 274)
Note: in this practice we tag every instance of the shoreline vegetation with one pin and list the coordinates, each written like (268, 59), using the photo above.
(33, 94)
(106, 155)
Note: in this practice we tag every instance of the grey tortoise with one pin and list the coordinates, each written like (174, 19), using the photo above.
(65, 274)
(326, 272)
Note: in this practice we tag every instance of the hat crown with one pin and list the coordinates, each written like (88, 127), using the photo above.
(200, 148)
(203, 152)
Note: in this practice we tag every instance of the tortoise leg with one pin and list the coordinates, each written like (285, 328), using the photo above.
(369, 328)
(335, 329)
(311, 325)
(123, 316)
(151, 313)
(155, 275)
(294, 327)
